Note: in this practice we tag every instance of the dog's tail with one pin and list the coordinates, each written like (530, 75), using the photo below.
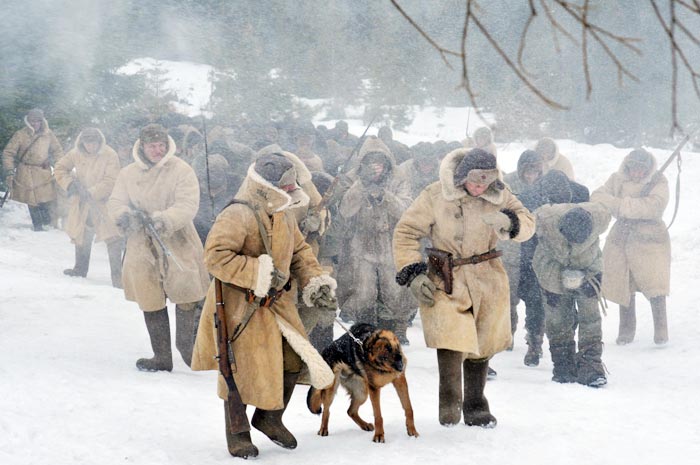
(313, 400)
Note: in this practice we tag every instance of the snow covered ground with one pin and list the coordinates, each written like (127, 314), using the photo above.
(70, 393)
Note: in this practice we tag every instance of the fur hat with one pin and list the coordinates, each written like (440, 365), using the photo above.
(639, 158)
(276, 169)
(322, 181)
(477, 166)
(530, 161)
(91, 135)
(153, 133)
(35, 113)
(547, 148)
(556, 187)
(576, 225)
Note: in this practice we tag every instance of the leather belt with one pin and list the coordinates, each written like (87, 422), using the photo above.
(272, 295)
(474, 259)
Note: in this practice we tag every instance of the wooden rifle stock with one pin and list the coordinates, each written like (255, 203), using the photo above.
(238, 420)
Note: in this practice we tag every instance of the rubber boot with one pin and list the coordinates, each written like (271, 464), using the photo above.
(658, 311)
(534, 350)
(450, 391)
(628, 323)
(184, 332)
(158, 327)
(114, 251)
(240, 444)
(269, 422)
(563, 359)
(475, 407)
(82, 260)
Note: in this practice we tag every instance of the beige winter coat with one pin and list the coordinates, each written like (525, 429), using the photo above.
(168, 191)
(637, 252)
(555, 253)
(30, 153)
(235, 253)
(475, 318)
(97, 173)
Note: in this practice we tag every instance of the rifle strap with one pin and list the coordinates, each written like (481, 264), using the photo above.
(261, 226)
(678, 192)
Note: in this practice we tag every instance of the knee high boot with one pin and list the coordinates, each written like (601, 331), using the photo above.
(450, 391)
(658, 311)
(240, 444)
(158, 326)
(628, 323)
(269, 422)
(114, 251)
(184, 333)
(82, 260)
(476, 408)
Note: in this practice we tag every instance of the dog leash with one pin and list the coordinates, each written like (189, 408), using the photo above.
(352, 336)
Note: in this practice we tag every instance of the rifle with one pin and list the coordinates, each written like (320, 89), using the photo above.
(148, 224)
(657, 176)
(206, 165)
(331, 189)
(238, 421)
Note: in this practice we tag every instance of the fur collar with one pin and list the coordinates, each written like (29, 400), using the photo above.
(270, 197)
(622, 171)
(79, 143)
(44, 126)
(447, 172)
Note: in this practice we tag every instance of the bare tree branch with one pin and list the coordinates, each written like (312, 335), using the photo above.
(584, 52)
(523, 37)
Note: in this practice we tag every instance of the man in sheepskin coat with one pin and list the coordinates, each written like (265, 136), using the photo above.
(273, 347)
(465, 213)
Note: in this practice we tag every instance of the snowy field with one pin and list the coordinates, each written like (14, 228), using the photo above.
(70, 393)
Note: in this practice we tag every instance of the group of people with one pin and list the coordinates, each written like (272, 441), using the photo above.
(308, 220)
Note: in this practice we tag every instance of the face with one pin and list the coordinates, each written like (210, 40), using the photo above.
(305, 141)
(530, 176)
(289, 188)
(637, 173)
(91, 147)
(155, 151)
(35, 123)
(384, 351)
(376, 169)
(475, 189)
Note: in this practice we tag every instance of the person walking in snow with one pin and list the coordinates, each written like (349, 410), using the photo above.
(155, 199)
(27, 161)
(254, 248)
(637, 252)
(464, 214)
(87, 173)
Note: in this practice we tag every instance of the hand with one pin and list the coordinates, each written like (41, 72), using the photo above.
(127, 223)
(497, 220)
(375, 194)
(279, 279)
(73, 188)
(423, 290)
(311, 223)
(587, 289)
(159, 225)
(324, 298)
(83, 192)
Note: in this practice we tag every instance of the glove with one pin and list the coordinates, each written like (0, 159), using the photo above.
(130, 222)
(311, 223)
(324, 298)
(497, 220)
(159, 225)
(587, 289)
(279, 279)
(423, 289)
(375, 194)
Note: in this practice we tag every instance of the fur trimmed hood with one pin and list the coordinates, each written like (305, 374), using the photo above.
(622, 171)
(79, 142)
(44, 126)
(271, 198)
(450, 192)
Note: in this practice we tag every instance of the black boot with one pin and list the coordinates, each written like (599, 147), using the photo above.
(114, 251)
(628, 323)
(658, 311)
(563, 359)
(476, 408)
(240, 444)
(534, 350)
(158, 327)
(589, 366)
(269, 422)
(185, 332)
(82, 260)
(450, 391)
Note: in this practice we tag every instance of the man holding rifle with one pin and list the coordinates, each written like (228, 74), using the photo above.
(462, 287)
(253, 328)
(153, 204)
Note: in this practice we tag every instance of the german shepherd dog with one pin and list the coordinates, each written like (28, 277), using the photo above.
(364, 369)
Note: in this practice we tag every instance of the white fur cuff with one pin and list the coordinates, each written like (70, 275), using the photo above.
(314, 285)
(265, 270)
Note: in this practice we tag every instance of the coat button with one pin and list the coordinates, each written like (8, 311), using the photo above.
(458, 238)
(458, 215)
